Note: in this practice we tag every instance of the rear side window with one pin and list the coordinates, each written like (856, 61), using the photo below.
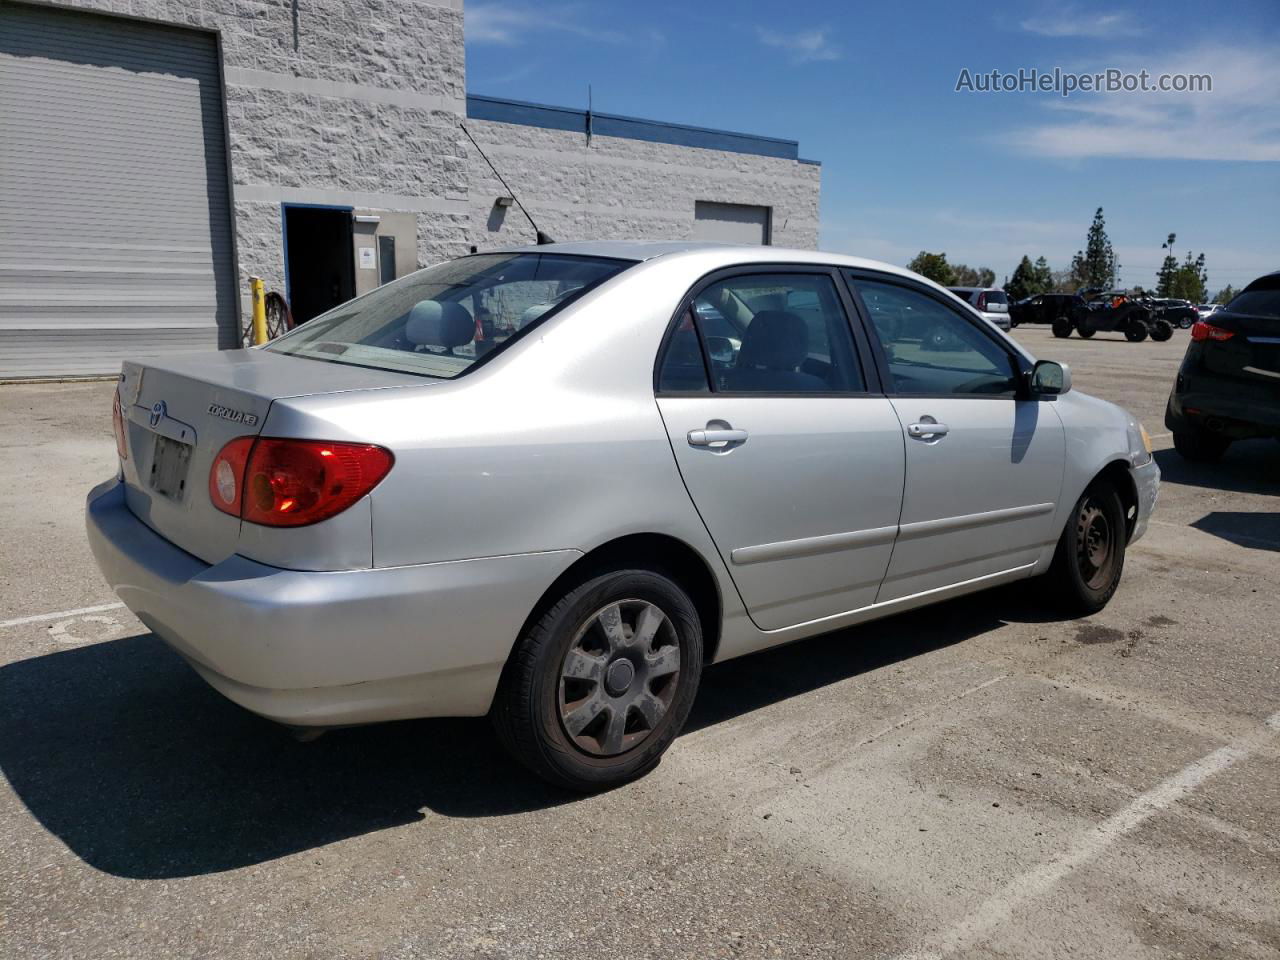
(1256, 303)
(764, 333)
(441, 321)
(931, 349)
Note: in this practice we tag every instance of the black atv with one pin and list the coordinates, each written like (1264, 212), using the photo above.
(1113, 311)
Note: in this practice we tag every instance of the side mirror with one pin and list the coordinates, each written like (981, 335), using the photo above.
(1049, 378)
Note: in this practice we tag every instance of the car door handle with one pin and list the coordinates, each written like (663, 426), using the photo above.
(924, 431)
(705, 438)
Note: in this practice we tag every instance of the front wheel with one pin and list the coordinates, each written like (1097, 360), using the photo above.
(1062, 328)
(1186, 322)
(1161, 330)
(1090, 556)
(600, 686)
(1135, 331)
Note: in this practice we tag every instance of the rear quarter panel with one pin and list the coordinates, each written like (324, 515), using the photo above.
(557, 444)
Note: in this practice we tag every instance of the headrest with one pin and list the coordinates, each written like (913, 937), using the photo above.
(532, 314)
(774, 340)
(435, 324)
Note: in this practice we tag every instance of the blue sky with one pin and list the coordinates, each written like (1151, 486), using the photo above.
(910, 164)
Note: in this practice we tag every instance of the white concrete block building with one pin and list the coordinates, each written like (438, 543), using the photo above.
(156, 153)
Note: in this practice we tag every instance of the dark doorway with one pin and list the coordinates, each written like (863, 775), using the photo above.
(319, 259)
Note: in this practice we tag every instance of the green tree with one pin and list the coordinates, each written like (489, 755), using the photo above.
(1190, 280)
(1164, 279)
(1043, 275)
(1225, 294)
(934, 266)
(966, 276)
(1023, 282)
(1099, 267)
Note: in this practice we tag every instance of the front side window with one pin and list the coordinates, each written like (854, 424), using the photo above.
(440, 321)
(932, 349)
(765, 333)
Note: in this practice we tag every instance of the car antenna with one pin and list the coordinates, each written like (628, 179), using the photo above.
(539, 236)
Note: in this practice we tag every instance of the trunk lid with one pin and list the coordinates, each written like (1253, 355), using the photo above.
(179, 411)
(1252, 353)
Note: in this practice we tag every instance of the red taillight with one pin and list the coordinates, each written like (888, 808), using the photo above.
(291, 483)
(226, 476)
(982, 303)
(1207, 331)
(117, 426)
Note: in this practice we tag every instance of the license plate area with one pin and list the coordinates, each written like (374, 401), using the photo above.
(169, 463)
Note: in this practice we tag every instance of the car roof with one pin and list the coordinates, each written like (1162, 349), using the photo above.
(725, 254)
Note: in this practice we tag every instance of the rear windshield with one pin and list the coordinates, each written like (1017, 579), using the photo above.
(996, 296)
(1256, 303)
(440, 321)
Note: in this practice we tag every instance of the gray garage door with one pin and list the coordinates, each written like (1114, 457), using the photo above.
(115, 226)
(730, 222)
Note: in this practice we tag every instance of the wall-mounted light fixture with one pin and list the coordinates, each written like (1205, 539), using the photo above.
(367, 218)
(503, 202)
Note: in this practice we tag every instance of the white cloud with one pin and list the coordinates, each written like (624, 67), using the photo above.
(1234, 121)
(1072, 22)
(513, 24)
(803, 46)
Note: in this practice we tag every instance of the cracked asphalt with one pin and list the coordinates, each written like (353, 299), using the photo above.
(979, 779)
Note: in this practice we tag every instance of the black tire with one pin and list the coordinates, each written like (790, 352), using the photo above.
(1082, 579)
(1186, 322)
(1085, 331)
(1161, 330)
(1199, 446)
(541, 686)
(1135, 331)
(1062, 329)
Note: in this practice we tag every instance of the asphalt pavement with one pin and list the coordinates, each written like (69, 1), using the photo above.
(980, 779)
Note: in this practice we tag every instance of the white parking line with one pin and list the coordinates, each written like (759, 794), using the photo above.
(1032, 884)
(61, 614)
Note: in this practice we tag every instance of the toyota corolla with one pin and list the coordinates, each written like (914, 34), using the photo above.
(551, 484)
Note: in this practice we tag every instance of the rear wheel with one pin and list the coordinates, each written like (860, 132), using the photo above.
(1186, 322)
(1199, 446)
(1062, 328)
(1161, 330)
(1090, 556)
(1135, 331)
(599, 687)
(1085, 331)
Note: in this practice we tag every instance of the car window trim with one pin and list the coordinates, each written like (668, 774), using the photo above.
(1017, 363)
(861, 354)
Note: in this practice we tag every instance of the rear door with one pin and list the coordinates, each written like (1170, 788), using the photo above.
(791, 455)
(984, 467)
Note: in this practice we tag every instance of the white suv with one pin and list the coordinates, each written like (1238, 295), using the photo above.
(988, 301)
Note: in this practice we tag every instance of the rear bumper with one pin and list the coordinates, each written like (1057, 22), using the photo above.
(1001, 320)
(321, 649)
(1222, 407)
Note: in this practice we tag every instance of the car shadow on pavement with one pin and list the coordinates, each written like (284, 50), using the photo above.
(1249, 466)
(745, 684)
(143, 771)
(124, 753)
(1255, 531)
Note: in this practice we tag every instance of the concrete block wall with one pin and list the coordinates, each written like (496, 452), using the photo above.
(617, 188)
(334, 102)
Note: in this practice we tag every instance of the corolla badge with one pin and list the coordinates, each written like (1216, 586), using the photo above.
(158, 412)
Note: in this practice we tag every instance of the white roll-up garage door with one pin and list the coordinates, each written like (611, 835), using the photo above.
(115, 220)
(730, 222)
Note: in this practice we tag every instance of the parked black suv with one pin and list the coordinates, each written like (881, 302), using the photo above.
(1047, 308)
(1179, 313)
(1228, 387)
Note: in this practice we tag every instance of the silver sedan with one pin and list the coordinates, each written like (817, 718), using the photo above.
(550, 484)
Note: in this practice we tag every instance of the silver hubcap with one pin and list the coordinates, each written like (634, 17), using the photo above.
(618, 677)
(1093, 544)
